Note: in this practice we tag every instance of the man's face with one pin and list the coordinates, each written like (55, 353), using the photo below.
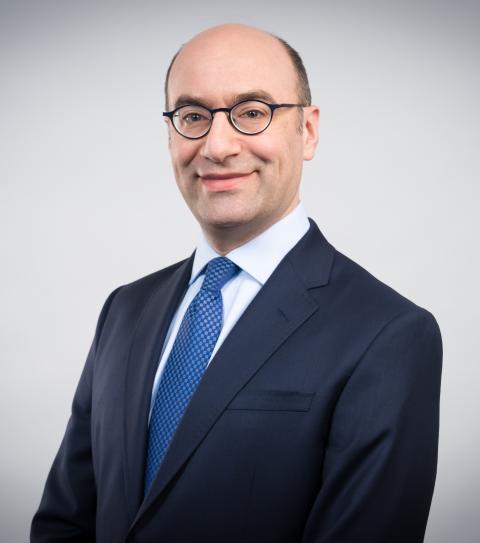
(228, 179)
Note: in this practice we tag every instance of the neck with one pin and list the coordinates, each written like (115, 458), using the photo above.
(224, 239)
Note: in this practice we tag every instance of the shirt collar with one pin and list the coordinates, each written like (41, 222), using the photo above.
(261, 255)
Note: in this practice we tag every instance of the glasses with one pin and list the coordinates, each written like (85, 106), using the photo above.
(249, 117)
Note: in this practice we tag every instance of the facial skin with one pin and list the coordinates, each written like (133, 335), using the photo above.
(237, 185)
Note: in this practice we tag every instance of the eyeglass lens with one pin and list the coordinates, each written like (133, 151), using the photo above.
(249, 117)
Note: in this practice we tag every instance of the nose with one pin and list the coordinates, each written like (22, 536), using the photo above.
(222, 141)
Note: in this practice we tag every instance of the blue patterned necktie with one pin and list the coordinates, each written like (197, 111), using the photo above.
(187, 361)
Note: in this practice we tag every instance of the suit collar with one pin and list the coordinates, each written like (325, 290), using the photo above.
(312, 257)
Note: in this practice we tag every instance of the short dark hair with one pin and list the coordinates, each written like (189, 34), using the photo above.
(304, 94)
(303, 87)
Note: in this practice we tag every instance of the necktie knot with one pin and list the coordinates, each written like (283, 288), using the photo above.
(219, 271)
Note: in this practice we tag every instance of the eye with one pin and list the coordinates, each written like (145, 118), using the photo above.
(193, 117)
(253, 114)
(250, 112)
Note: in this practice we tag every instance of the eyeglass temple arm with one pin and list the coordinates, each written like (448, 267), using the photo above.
(276, 106)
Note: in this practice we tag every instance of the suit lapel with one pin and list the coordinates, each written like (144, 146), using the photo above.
(148, 339)
(280, 307)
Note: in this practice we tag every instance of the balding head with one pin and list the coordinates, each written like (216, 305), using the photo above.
(228, 36)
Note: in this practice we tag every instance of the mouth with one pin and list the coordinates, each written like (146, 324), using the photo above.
(223, 181)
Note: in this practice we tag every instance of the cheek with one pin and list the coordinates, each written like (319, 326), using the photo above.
(264, 147)
(182, 153)
(276, 147)
(278, 160)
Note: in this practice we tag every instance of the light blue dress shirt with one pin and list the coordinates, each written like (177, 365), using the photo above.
(257, 260)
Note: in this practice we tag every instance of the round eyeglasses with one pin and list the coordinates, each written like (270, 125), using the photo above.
(249, 117)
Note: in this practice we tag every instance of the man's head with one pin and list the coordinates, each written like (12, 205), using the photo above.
(237, 185)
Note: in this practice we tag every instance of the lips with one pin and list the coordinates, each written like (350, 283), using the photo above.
(216, 182)
(222, 176)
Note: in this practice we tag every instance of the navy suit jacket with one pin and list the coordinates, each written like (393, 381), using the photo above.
(315, 422)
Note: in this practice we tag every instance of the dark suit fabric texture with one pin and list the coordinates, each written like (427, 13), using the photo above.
(315, 422)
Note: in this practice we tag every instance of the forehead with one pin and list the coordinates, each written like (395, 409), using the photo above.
(217, 68)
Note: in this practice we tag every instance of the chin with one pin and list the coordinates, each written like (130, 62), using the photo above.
(225, 216)
(227, 222)
(224, 220)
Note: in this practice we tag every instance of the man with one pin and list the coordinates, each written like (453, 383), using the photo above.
(266, 389)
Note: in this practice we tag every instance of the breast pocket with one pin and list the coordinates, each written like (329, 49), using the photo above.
(272, 400)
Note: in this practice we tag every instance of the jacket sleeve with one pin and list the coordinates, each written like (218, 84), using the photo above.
(381, 458)
(67, 508)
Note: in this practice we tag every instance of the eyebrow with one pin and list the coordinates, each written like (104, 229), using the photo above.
(258, 94)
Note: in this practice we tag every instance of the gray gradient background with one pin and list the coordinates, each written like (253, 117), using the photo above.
(88, 200)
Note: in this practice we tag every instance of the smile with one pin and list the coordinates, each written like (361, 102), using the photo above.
(225, 181)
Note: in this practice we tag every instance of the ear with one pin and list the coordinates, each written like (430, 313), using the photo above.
(311, 116)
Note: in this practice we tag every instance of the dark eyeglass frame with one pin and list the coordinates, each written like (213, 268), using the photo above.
(228, 110)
